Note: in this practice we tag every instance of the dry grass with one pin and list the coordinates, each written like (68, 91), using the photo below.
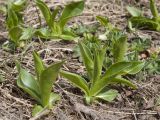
(130, 105)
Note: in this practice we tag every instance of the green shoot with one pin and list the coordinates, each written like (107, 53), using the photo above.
(56, 26)
(40, 86)
(93, 61)
(139, 21)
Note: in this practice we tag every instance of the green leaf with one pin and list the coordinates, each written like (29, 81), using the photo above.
(130, 26)
(53, 98)
(134, 68)
(102, 83)
(145, 23)
(46, 12)
(119, 80)
(134, 11)
(39, 65)
(12, 19)
(154, 9)
(98, 63)
(55, 12)
(71, 10)
(47, 78)
(19, 5)
(109, 96)
(42, 32)
(27, 33)
(116, 68)
(37, 109)
(15, 34)
(56, 29)
(67, 37)
(77, 80)
(99, 85)
(104, 21)
(27, 82)
(113, 71)
(87, 58)
(120, 49)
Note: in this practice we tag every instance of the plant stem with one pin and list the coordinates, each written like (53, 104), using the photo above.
(154, 9)
(88, 100)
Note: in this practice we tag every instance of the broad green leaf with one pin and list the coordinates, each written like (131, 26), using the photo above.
(15, 34)
(116, 68)
(71, 10)
(99, 85)
(12, 18)
(69, 31)
(99, 55)
(77, 80)
(67, 37)
(19, 5)
(27, 33)
(154, 9)
(28, 84)
(87, 58)
(119, 80)
(109, 96)
(53, 98)
(39, 65)
(28, 80)
(47, 78)
(145, 23)
(67, 34)
(104, 21)
(37, 109)
(130, 26)
(42, 32)
(46, 12)
(134, 68)
(120, 49)
(134, 11)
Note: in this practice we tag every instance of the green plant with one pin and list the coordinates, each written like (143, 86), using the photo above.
(80, 28)
(56, 26)
(138, 20)
(141, 48)
(39, 87)
(90, 41)
(18, 33)
(153, 63)
(115, 40)
(138, 45)
(94, 86)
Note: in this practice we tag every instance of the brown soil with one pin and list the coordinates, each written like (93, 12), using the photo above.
(130, 105)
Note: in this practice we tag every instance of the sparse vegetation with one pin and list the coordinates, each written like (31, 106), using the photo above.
(96, 65)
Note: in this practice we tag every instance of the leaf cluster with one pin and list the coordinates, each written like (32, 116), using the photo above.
(14, 21)
(56, 25)
(94, 87)
(138, 20)
(40, 86)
